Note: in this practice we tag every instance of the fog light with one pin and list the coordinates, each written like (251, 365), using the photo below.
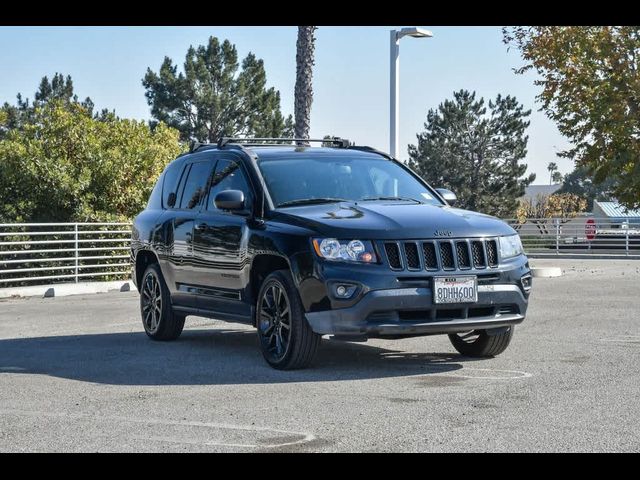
(344, 290)
(526, 282)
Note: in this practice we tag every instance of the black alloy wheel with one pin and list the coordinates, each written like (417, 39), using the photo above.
(275, 321)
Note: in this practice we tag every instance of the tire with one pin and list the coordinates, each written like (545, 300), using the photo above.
(284, 335)
(159, 320)
(480, 344)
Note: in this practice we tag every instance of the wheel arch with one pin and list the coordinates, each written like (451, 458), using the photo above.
(144, 258)
(261, 267)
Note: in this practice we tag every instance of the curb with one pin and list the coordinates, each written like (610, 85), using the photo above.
(66, 289)
(546, 272)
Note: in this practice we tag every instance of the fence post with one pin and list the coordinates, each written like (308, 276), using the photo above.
(75, 253)
(626, 237)
(557, 220)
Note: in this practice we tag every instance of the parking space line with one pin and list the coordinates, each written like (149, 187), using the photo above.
(306, 437)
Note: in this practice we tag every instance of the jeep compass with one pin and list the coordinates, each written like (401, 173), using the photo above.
(336, 240)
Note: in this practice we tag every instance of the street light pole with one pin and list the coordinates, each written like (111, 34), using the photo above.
(394, 81)
(394, 92)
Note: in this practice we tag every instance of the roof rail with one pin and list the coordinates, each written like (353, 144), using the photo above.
(370, 149)
(195, 145)
(338, 142)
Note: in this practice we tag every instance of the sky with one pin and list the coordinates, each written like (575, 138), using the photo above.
(350, 82)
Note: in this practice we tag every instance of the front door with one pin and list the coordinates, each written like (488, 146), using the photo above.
(190, 194)
(221, 263)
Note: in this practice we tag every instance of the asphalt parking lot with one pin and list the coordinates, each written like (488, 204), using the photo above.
(78, 374)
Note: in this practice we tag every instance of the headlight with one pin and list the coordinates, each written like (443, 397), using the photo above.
(510, 246)
(345, 250)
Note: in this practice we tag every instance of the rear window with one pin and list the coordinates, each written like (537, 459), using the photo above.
(194, 188)
(170, 185)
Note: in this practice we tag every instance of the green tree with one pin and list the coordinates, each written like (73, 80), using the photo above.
(210, 98)
(591, 88)
(66, 165)
(580, 183)
(539, 211)
(552, 168)
(305, 48)
(58, 88)
(476, 152)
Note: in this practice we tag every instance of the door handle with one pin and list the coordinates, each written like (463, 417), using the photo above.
(201, 226)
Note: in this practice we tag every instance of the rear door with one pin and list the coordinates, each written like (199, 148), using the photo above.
(220, 238)
(189, 196)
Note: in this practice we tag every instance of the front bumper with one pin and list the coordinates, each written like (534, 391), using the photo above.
(410, 311)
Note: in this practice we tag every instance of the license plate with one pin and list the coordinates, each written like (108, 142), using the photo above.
(455, 289)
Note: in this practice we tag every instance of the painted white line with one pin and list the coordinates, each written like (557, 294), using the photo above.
(191, 442)
(510, 374)
(307, 437)
(622, 339)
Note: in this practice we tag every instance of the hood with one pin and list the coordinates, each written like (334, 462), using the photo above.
(392, 220)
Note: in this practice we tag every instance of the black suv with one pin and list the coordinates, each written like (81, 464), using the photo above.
(338, 240)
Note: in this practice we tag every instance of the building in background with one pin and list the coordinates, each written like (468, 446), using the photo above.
(615, 213)
(533, 192)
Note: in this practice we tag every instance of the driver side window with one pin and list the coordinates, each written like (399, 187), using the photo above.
(228, 176)
(384, 184)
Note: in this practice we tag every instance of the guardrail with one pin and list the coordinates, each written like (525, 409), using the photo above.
(58, 252)
(579, 236)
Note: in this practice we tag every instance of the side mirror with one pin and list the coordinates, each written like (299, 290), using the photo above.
(171, 200)
(230, 200)
(448, 195)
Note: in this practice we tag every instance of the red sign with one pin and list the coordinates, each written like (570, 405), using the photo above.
(590, 229)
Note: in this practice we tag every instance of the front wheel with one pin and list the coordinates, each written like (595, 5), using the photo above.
(478, 343)
(159, 320)
(286, 339)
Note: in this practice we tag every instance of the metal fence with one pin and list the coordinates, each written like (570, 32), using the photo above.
(42, 253)
(37, 253)
(579, 236)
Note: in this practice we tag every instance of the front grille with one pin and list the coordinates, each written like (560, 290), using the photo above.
(446, 255)
(478, 254)
(492, 253)
(436, 255)
(429, 253)
(393, 255)
(508, 309)
(462, 250)
(413, 260)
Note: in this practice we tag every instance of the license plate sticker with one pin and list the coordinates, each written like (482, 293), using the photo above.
(455, 289)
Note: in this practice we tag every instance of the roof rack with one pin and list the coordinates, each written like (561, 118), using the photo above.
(363, 148)
(338, 142)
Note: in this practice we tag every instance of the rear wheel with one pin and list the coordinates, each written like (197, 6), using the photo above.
(478, 343)
(286, 339)
(159, 320)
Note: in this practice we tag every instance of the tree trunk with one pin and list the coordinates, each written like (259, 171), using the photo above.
(305, 47)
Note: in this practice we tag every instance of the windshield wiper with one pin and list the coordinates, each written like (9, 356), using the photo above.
(310, 201)
(405, 199)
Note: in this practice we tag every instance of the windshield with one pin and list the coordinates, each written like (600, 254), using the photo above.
(326, 179)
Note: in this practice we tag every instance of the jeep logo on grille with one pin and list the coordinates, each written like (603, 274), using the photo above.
(443, 233)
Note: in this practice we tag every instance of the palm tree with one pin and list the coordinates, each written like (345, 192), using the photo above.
(552, 168)
(305, 47)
